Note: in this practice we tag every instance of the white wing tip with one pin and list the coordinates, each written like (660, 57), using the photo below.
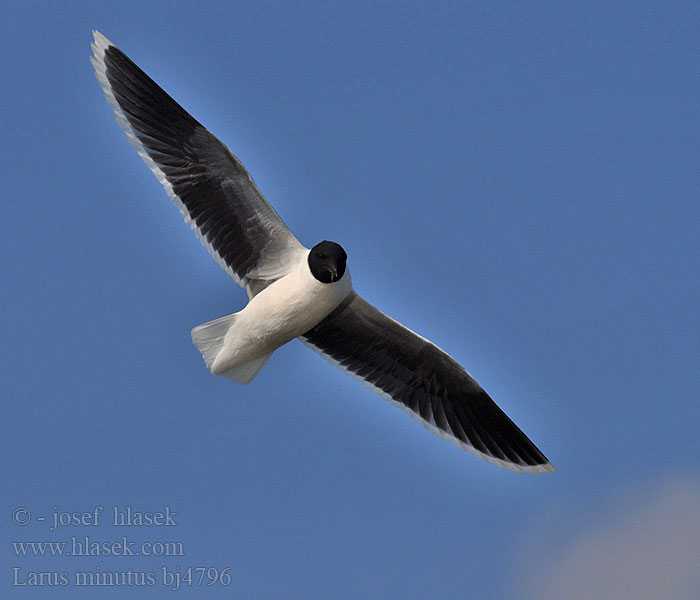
(99, 45)
(101, 41)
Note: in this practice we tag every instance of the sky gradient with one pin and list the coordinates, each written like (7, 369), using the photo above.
(518, 183)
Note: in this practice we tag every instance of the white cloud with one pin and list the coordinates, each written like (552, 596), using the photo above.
(648, 548)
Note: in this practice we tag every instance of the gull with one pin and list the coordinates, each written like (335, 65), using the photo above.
(295, 292)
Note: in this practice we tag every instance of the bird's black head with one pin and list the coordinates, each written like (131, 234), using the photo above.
(327, 261)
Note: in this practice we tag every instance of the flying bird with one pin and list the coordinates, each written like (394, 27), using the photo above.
(293, 291)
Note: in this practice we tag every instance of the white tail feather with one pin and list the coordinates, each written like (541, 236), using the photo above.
(246, 372)
(209, 339)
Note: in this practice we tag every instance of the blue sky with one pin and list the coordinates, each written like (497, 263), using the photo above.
(518, 183)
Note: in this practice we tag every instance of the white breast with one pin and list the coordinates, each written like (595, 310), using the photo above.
(281, 312)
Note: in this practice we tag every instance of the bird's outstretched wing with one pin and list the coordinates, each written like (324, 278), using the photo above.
(209, 185)
(413, 373)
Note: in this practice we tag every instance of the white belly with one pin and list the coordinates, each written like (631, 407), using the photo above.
(286, 309)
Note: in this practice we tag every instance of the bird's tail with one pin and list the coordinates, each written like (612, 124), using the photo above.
(209, 340)
(209, 337)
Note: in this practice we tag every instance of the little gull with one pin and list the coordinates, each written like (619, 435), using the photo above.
(295, 292)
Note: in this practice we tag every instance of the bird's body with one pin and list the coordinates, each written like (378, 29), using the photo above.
(295, 292)
(284, 310)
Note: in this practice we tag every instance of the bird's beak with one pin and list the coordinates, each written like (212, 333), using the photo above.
(334, 274)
